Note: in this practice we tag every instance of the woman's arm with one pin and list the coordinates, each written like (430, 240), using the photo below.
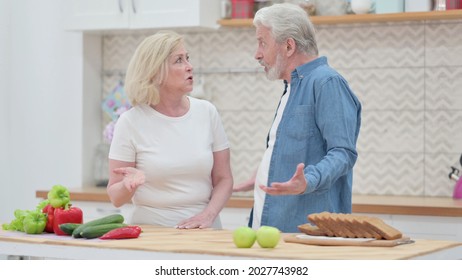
(124, 179)
(222, 182)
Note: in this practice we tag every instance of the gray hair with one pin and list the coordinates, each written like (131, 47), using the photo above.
(289, 21)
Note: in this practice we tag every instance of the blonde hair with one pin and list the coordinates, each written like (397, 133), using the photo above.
(147, 69)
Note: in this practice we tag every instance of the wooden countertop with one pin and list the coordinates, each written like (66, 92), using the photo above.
(169, 243)
(374, 204)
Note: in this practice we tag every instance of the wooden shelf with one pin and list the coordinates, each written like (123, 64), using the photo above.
(366, 18)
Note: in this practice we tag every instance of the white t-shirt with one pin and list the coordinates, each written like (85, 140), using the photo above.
(176, 155)
(263, 169)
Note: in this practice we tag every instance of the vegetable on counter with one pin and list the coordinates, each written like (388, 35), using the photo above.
(59, 196)
(110, 219)
(49, 211)
(17, 223)
(123, 233)
(66, 215)
(99, 230)
(48, 215)
(68, 228)
(29, 221)
(34, 222)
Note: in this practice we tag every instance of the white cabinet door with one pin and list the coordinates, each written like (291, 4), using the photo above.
(232, 218)
(174, 13)
(427, 227)
(91, 15)
(99, 15)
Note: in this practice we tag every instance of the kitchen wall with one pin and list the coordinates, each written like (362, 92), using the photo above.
(41, 108)
(407, 76)
(4, 81)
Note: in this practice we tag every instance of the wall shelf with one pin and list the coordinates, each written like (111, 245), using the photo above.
(366, 18)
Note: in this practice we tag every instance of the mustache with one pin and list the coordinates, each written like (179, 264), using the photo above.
(262, 63)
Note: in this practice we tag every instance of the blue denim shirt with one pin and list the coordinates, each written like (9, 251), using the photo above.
(319, 127)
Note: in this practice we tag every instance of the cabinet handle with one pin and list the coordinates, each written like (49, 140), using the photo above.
(121, 7)
(134, 6)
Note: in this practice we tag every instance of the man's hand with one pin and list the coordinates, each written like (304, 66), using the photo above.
(296, 185)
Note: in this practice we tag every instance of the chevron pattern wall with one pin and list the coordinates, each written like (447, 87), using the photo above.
(408, 77)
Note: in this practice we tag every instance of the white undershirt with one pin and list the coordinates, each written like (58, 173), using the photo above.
(263, 169)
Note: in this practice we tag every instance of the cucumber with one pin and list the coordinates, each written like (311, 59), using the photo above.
(99, 230)
(68, 228)
(111, 219)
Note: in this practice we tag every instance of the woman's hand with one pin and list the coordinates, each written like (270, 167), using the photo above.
(133, 177)
(201, 220)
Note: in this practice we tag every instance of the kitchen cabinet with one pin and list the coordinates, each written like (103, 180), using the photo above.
(232, 218)
(105, 15)
(363, 18)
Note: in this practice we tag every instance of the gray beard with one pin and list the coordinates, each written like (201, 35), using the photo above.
(275, 72)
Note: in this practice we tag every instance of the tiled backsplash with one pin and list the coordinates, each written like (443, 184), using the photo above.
(408, 77)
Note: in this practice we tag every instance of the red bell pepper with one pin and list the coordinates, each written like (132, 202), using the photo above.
(123, 233)
(66, 215)
(49, 210)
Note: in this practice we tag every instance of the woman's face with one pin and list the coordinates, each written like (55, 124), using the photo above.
(180, 77)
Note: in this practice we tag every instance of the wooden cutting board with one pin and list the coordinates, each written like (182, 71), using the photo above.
(210, 242)
(341, 241)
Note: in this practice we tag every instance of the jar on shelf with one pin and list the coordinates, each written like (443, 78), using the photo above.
(453, 4)
(242, 8)
(440, 5)
(361, 6)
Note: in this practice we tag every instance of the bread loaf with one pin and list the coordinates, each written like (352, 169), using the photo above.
(349, 225)
(311, 230)
(320, 220)
(384, 230)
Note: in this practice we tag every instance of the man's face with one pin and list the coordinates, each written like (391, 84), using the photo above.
(269, 54)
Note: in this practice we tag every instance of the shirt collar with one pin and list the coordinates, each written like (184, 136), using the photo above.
(305, 69)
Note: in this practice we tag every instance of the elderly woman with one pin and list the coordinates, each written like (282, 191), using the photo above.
(170, 154)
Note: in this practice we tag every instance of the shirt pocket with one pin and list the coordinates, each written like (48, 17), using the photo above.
(300, 123)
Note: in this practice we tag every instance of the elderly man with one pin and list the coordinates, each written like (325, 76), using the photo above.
(311, 147)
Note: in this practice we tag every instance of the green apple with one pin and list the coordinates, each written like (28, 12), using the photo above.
(268, 237)
(244, 237)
